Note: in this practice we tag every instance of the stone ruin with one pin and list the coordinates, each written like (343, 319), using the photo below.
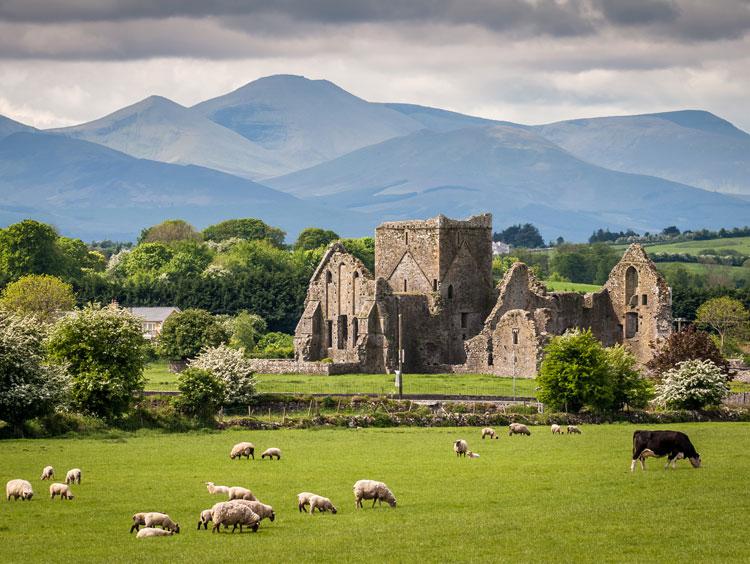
(432, 298)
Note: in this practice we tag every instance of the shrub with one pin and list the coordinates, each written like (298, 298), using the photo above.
(41, 295)
(688, 344)
(233, 368)
(628, 386)
(185, 333)
(694, 384)
(201, 393)
(274, 345)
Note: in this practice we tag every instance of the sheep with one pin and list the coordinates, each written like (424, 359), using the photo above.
(556, 429)
(63, 490)
(271, 452)
(471, 454)
(154, 519)
(151, 532)
(238, 492)
(18, 488)
(263, 510)
(376, 491)
(139, 520)
(213, 489)
(243, 449)
(489, 432)
(518, 429)
(460, 447)
(73, 476)
(207, 515)
(303, 500)
(321, 504)
(233, 513)
(47, 473)
(573, 430)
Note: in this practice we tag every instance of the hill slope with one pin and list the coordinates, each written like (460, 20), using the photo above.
(9, 126)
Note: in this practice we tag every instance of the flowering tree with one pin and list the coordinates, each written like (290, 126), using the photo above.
(693, 384)
(231, 367)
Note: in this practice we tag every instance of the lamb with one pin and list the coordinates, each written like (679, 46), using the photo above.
(48, 473)
(73, 476)
(18, 488)
(271, 452)
(233, 513)
(151, 532)
(556, 429)
(376, 491)
(321, 504)
(156, 519)
(207, 515)
(139, 520)
(243, 449)
(63, 490)
(471, 454)
(213, 489)
(460, 447)
(573, 430)
(263, 510)
(518, 429)
(489, 432)
(303, 500)
(238, 492)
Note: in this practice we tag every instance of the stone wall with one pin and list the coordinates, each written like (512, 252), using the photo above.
(289, 366)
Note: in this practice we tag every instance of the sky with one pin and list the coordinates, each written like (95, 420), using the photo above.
(64, 62)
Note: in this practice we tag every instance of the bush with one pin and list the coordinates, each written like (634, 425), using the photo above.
(688, 344)
(201, 393)
(233, 368)
(694, 384)
(185, 333)
(274, 345)
(628, 386)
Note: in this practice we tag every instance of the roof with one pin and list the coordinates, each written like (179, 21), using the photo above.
(153, 313)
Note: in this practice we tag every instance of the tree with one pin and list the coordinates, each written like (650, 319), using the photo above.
(526, 235)
(201, 393)
(670, 231)
(29, 387)
(727, 316)
(688, 344)
(40, 295)
(246, 329)
(274, 345)
(314, 237)
(250, 229)
(628, 386)
(233, 368)
(186, 332)
(169, 231)
(693, 384)
(574, 373)
(28, 247)
(363, 248)
(103, 348)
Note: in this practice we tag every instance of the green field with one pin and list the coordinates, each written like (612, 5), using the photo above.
(542, 498)
(570, 287)
(739, 244)
(733, 273)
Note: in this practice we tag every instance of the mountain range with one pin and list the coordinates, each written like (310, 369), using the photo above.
(298, 152)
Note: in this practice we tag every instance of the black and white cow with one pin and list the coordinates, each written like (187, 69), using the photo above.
(672, 444)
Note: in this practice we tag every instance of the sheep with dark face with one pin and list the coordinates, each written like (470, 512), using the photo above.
(233, 513)
(48, 472)
(460, 447)
(518, 429)
(238, 492)
(243, 449)
(321, 504)
(73, 476)
(303, 500)
(207, 515)
(150, 532)
(271, 453)
(19, 488)
(573, 430)
(556, 429)
(489, 432)
(63, 490)
(376, 491)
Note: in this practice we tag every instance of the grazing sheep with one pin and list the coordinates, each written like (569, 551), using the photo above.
(63, 490)
(376, 491)
(271, 452)
(233, 513)
(151, 532)
(238, 492)
(48, 473)
(518, 429)
(139, 520)
(207, 515)
(573, 430)
(156, 519)
(556, 429)
(263, 510)
(73, 476)
(213, 489)
(18, 488)
(489, 432)
(460, 447)
(321, 504)
(303, 500)
(243, 449)
(471, 454)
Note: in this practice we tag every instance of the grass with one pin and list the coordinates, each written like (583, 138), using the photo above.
(739, 244)
(571, 287)
(160, 379)
(719, 271)
(542, 498)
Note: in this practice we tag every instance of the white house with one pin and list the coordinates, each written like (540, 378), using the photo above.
(152, 318)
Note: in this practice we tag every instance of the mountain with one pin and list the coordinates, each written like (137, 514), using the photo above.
(515, 174)
(436, 119)
(91, 191)
(158, 129)
(8, 127)
(694, 147)
(305, 122)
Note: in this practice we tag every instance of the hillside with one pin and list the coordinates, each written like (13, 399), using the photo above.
(8, 127)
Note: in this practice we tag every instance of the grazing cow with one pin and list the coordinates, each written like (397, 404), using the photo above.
(672, 444)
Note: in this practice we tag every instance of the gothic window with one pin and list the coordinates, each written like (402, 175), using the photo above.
(406, 237)
(644, 299)
(329, 334)
(404, 284)
(464, 319)
(631, 325)
(355, 330)
(450, 291)
(515, 336)
(343, 335)
(434, 284)
(631, 287)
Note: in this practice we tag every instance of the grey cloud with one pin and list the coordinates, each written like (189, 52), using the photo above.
(638, 12)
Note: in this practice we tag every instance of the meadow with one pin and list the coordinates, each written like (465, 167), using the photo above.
(526, 499)
(739, 244)
(561, 286)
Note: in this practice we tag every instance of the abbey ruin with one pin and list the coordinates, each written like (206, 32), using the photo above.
(432, 298)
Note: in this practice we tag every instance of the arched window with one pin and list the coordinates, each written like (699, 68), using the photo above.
(355, 291)
(450, 291)
(329, 277)
(515, 336)
(434, 284)
(404, 284)
(355, 329)
(631, 287)
(406, 237)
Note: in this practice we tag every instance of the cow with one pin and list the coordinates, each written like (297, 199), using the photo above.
(674, 444)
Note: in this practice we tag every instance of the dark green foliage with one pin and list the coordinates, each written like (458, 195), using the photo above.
(250, 229)
(688, 344)
(362, 248)
(589, 264)
(169, 231)
(605, 235)
(185, 333)
(28, 247)
(629, 387)
(201, 393)
(670, 231)
(246, 329)
(274, 345)
(314, 237)
(526, 235)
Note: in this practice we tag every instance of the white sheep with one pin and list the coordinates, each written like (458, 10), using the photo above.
(18, 488)
(489, 432)
(139, 520)
(233, 513)
(238, 492)
(73, 476)
(321, 504)
(573, 430)
(303, 500)
(263, 510)
(376, 491)
(271, 452)
(243, 449)
(47, 473)
(156, 519)
(207, 515)
(471, 454)
(214, 489)
(63, 490)
(518, 429)
(556, 429)
(460, 447)
(151, 532)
